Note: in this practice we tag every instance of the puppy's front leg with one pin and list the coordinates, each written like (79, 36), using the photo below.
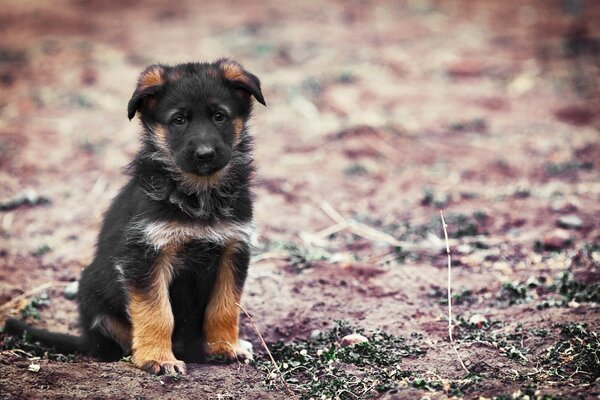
(152, 320)
(221, 319)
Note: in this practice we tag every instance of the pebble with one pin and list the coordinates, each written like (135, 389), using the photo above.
(478, 320)
(465, 69)
(71, 290)
(315, 334)
(570, 221)
(353, 339)
(556, 240)
(562, 206)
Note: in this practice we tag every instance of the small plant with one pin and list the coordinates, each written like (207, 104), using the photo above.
(40, 251)
(576, 355)
(571, 289)
(356, 169)
(32, 307)
(28, 348)
(557, 169)
(565, 289)
(299, 257)
(509, 344)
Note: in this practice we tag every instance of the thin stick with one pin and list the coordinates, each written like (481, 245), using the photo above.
(277, 255)
(31, 292)
(369, 232)
(450, 294)
(266, 348)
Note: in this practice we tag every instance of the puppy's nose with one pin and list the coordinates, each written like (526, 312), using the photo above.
(205, 154)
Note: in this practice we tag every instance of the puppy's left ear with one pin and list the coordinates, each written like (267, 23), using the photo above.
(149, 84)
(239, 78)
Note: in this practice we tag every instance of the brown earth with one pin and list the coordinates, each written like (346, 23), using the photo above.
(387, 111)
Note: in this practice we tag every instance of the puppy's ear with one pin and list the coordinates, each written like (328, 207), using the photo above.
(239, 78)
(149, 83)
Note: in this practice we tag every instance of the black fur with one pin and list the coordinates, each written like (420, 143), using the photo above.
(159, 191)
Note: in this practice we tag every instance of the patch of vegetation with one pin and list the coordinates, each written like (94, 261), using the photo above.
(557, 169)
(434, 199)
(40, 251)
(321, 368)
(565, 286)
(518, 292)
(346, 76)
(487, 333)
(571, 289)
(299, 257)
(588, 256)
(526, 393)
(576, 355)
(464, 296)
(356, 169)
(24, 346)
(33, 306)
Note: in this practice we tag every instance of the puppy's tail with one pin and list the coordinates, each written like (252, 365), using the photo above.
(62, 342)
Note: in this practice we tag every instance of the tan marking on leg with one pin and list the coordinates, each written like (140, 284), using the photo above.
(221, 318)
(152, 320)
(119, 331)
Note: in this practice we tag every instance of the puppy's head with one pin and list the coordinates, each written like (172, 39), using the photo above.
(195, 114)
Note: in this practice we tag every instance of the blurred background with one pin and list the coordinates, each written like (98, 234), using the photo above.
(384, 111)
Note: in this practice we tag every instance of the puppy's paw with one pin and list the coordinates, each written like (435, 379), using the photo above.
(168, 366)
(241, 351)
(245, 350)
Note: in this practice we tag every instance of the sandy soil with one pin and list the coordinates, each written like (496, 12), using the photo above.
(386, 111)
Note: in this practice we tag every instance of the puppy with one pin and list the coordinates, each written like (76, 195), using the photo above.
(173, 252)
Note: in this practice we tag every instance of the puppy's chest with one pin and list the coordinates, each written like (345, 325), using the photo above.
(166, 236)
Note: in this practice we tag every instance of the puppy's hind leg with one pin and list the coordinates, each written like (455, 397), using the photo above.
(109, 338)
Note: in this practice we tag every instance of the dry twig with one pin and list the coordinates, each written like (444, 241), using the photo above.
(266, 349)
(31, 292)
(270, 255)
(450, 294)
(366, 231)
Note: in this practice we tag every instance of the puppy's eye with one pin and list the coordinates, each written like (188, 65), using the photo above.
(219, 116)
(179, 120)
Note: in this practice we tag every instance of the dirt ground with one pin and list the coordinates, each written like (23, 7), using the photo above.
(383, 112)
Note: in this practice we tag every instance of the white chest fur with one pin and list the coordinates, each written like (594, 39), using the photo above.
(161, 234)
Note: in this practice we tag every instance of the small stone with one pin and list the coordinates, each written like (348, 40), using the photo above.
(465, 69)
(71, 290)
(464, 249)
(563, 206)
(352, 340)
(478, 320)
(556, 240)
(570, 221)
(315, 334)
(33, 367)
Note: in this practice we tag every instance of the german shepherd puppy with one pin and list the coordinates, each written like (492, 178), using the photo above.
(174, 248)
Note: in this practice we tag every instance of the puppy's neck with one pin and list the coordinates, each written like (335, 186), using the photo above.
(199, 197)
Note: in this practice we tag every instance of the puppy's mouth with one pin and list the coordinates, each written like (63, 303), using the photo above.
(206, 170)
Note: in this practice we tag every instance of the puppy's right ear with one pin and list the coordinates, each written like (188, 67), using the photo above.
(149, 83)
